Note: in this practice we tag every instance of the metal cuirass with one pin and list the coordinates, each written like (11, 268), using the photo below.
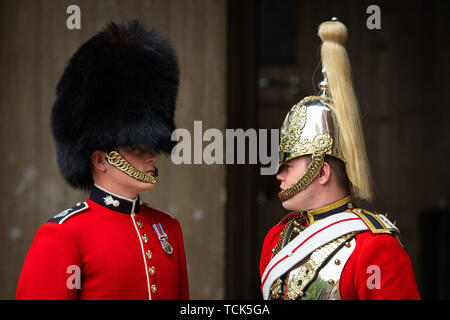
(316, 277)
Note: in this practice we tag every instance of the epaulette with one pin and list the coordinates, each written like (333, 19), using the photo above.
(66, 214)
(377, 223)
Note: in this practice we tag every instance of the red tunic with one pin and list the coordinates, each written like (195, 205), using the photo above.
(115, 259)
(397, 279)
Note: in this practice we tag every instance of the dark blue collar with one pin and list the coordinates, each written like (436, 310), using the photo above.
(113, 201)
(328, 210)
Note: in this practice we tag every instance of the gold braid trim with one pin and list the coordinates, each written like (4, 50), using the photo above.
(276, 288)
(116, 160)
(280, 242)
(300, 278)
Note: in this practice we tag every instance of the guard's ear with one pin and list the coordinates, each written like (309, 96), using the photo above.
(98, 160)
(324, 174)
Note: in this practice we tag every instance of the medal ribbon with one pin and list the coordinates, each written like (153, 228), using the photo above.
(162, 236)
(160, 231)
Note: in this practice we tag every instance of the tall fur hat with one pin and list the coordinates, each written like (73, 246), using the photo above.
(118, 90)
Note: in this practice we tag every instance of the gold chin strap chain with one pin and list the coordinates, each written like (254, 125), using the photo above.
(116, 160)
(321, 143)
(311, 172)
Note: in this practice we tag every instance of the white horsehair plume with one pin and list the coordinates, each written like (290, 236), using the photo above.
(336, 63)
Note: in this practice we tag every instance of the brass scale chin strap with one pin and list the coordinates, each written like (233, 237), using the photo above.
(311, 172)
(322, 144)
(118, 161)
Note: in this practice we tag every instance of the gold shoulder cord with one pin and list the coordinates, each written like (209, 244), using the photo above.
(277, 287)
(116, 160)
(296, 230)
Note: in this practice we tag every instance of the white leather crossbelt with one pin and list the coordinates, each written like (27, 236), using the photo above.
(313, 237)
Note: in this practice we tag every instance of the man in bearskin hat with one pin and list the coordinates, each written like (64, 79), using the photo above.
(113, 114)
(329, 249)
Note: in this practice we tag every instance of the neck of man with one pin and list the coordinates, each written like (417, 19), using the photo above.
(324, 196)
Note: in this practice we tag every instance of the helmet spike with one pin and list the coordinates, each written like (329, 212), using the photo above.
(323, 85)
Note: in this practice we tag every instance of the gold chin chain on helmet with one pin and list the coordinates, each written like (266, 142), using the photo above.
(321, 143)
(118, 161)
(311, 172)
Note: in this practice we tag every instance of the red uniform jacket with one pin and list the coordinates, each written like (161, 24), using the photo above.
(383, 250)
(105, 248)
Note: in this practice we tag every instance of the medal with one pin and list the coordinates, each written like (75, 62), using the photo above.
(162, 236)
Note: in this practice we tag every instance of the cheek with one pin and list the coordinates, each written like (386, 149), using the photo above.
(293, 175)
(116, 174)
(136, 162)
(131, 158)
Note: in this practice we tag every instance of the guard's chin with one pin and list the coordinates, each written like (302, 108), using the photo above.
(287, 204)
(146, 186)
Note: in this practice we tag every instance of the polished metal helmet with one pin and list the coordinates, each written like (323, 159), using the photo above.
(310, 128)
(329, 123)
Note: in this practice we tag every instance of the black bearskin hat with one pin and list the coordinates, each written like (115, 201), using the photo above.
(118, 90)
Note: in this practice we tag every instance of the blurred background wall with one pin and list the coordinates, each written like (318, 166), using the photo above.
(243, 65)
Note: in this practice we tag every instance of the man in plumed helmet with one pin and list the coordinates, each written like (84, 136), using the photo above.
(113, 114)
(328, 248)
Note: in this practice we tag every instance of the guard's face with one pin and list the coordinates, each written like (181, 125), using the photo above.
(143, 161)
(289, 173)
